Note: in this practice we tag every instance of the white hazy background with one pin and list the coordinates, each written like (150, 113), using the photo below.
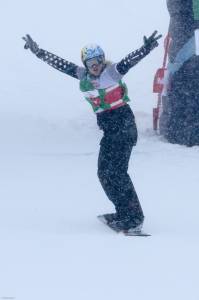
(51, 244)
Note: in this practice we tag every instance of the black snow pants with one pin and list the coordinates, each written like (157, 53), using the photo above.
(120, 135)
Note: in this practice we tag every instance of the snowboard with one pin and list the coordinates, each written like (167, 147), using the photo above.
(129, 232)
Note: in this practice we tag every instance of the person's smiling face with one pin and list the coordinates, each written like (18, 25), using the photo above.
(95, 65)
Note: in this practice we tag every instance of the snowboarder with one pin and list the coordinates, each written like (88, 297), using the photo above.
(102, 85)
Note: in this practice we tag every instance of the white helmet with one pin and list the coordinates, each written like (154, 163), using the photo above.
(91, 51)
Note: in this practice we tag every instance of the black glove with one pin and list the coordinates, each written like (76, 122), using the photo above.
(30, 44)
(151, 42)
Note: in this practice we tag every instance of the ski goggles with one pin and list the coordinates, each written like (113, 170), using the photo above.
(94, 61)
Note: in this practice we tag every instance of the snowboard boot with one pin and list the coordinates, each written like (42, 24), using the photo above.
(108, 218)
(126, 224)
(126, 219)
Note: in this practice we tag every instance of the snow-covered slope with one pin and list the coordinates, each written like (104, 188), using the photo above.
(51, 244)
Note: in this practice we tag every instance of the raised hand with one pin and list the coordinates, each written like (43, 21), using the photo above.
(152, 41)
(30, 44)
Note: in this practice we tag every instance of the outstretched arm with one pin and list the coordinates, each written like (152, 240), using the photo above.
(136, 56)
(58, 63)
(53, 60)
